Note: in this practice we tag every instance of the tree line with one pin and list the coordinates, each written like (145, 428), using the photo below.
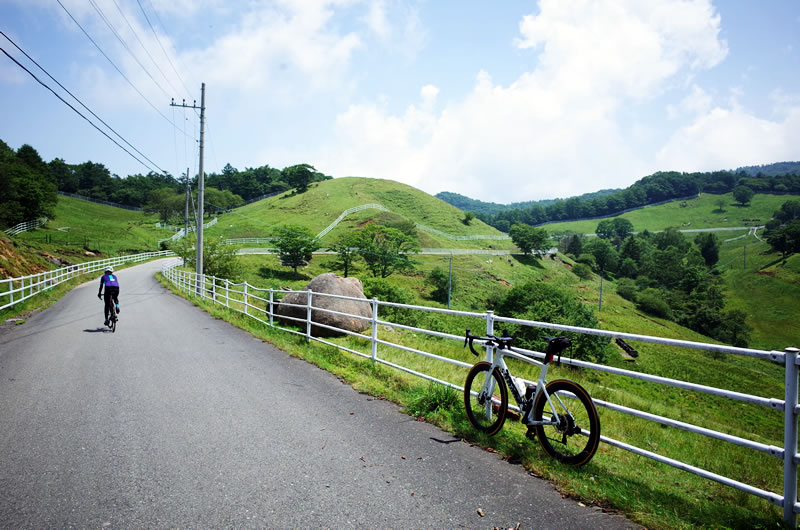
(29, 185)
(655, 188)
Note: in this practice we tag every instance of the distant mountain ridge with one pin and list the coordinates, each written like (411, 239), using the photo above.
(492, 208)
(779, 178)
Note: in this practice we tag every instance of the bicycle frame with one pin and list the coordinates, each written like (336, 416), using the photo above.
(525, 405)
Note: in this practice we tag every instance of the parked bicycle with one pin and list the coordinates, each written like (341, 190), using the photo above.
(560, 413)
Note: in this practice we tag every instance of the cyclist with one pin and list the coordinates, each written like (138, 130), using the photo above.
(110, 280)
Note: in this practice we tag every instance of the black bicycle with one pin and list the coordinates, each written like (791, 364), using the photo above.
(568, 429)
(112, 314)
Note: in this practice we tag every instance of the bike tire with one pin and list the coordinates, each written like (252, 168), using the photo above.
(114, 325)
(489, 415)
(580, 414)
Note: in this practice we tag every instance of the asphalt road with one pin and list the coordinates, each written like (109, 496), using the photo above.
(181, 420)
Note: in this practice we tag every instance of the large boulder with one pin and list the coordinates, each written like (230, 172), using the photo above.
(330, 283)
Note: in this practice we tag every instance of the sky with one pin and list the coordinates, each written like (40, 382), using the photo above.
(499, 101)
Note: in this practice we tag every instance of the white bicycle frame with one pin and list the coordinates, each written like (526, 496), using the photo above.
(498, 363)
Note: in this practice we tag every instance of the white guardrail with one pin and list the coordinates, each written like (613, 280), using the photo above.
(15, 290)
(260, 305)
(26, 226)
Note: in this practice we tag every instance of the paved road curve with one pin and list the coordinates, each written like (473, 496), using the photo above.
(181, 420)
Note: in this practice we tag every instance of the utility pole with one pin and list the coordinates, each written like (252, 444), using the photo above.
(200, 183)
(186, 211)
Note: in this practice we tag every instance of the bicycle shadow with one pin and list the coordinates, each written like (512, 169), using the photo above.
(98, 330)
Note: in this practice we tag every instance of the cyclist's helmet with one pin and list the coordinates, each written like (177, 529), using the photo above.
(109, 269)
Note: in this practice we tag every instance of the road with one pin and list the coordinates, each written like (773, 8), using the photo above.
(181, 420)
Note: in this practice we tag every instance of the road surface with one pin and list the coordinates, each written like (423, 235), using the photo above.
(181, 420)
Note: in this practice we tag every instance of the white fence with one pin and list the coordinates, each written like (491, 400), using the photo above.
(260, 304)
(15, 290)
(182, 232)
(348, 212)
(24, 227)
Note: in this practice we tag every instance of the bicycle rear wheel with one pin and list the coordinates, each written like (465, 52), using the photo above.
(576, 437)
(486, 409)
(113, 324)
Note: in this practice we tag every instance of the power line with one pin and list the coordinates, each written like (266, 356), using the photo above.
(79, 101)
(135, 34)
(125, 45)
(114, 65)
(161, 45)
(73, 108)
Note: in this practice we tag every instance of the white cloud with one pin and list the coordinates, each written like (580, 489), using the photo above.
(729, 138)
(697, 102)
(554, 131)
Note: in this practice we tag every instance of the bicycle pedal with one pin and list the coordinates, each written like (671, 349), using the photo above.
(531, 433)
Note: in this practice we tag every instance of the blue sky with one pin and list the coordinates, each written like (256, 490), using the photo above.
(501, 101)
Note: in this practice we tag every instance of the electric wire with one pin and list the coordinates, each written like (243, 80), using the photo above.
(136, 34)
(125, 45)
(159, 43)
(73, 108)
(114, 65)
(79, 101)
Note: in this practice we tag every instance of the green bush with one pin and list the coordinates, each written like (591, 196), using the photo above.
(385, 292)
(627, 289)
(582, 271)
(652, 301)
(546, 303)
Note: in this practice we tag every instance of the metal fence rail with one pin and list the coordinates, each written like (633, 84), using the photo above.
(25, 226)
(261, 304)
(15, 290)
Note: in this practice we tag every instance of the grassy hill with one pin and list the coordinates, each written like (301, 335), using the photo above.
(79, 224)
(325, 201)
(702, 212)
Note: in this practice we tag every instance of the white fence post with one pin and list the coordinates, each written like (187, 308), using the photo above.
(244, 298)
(790, 438)
(227, 293)
(270, 307)
(374, 329)
(308, 316)
(489, 331)
(214, 289)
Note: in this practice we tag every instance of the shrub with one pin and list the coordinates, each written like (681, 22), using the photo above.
(588, 259)
(547, 303)
(626, 288)
(582, 271)
(652, 301)
(384, 291)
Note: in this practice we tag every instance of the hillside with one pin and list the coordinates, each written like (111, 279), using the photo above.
(325, 201)
(492, 208)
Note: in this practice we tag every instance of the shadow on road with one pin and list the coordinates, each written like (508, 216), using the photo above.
(97, 330)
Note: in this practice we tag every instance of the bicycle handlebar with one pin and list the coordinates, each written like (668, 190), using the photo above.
(555, 345)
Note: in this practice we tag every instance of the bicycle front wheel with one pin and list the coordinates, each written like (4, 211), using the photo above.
(485, 398)
(576, 435)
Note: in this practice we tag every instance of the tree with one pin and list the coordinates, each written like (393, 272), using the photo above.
(605, 229)
(708, 244)
(299, 176)
(296, 245)
(386, 250)
(720, 202)
(468, 217)
(742, 194)
(604, 254)
(219, 259)
(166, 202)
(622, 228)
(785, 239)
(530, 239)
(27, 187)
(443, 284)
(346, 248)
(540, 301)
